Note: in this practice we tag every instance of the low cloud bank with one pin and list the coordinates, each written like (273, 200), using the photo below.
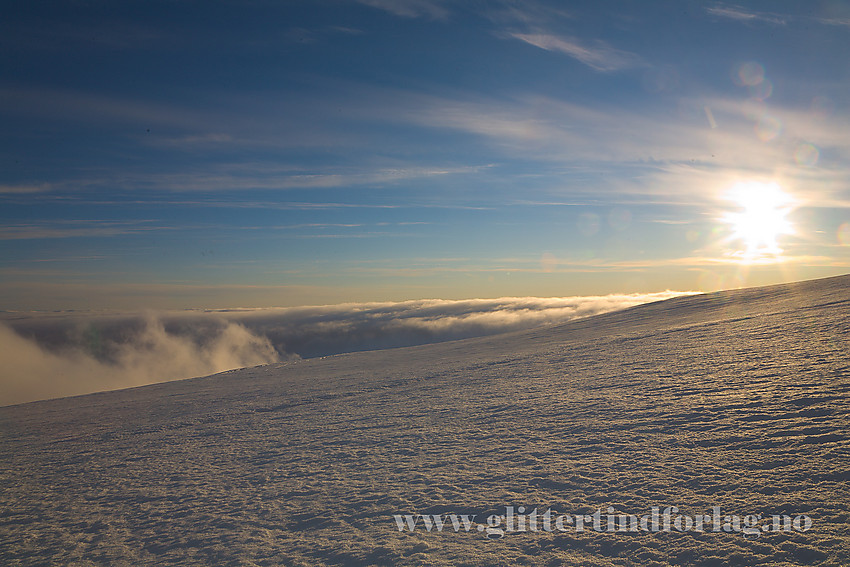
(49, 359)
(54, 355)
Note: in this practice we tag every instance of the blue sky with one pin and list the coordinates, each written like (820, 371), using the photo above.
(218, 154)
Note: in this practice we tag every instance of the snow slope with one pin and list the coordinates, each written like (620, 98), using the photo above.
(736, 399)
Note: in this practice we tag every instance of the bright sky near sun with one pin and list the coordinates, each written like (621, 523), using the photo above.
(220, 154)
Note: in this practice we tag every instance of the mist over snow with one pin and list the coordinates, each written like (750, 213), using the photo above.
(61, 354)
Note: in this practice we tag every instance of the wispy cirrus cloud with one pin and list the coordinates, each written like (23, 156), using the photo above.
(349, 178)
(746, 15)
(79, 106)
(410, 8)
(75, 229)
(674, 156)
(24, 189)
(264, 176)
(529, 14)
(742, 14)
(842, 22)
(535, 23)
(599, 56)
(709, 256)
(546, 129)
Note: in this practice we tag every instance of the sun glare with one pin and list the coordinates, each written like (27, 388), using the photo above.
(760, 219)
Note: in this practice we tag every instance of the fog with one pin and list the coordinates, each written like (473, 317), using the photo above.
(48, 355)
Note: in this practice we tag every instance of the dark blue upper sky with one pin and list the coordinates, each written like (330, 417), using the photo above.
(209, 154)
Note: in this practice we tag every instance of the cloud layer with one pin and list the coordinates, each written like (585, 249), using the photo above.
(54, 355)
(50, 359)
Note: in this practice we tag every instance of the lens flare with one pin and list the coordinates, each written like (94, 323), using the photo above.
(589, 223)
(806, 155)
(750, 74)
(844, 234)
(762, 90)
(768, 128)
(620, 219)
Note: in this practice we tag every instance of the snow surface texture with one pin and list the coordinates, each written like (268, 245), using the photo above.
(736, 399)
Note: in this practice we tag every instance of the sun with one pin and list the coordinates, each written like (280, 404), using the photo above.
(760, 219)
